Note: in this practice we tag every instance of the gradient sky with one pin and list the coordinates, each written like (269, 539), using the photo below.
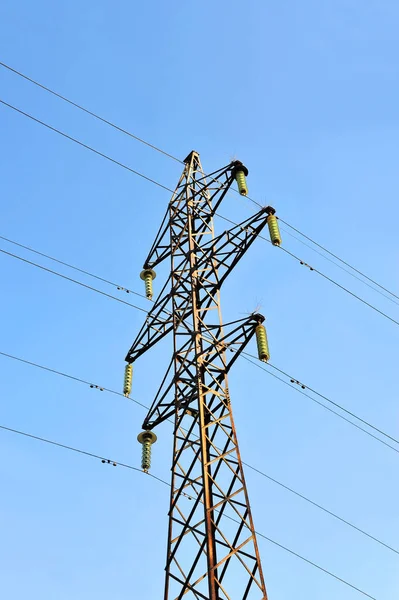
(307, 95)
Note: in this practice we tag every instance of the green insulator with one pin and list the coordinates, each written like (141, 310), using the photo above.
(146, 438)
(127, 383)
(148, 275)
(263, 346)
(146, 456)
(242, 183)
(274, 230)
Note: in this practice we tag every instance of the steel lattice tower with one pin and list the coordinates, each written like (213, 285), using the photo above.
(212, 550)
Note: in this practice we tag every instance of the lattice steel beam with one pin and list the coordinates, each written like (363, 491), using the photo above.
(212, 547)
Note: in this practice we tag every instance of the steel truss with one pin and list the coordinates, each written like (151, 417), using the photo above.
(212, 549)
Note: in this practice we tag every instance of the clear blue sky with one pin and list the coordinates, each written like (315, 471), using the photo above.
(307, 95)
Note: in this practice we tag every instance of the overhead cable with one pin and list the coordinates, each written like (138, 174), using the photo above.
(91, 113)
(341, 260)
(72, 377)
(170, 190)
(245, 355)
(89, 287)
(130, 467)
(161, 151)
(303, 386)
(300, 391)
(249, 466)
(65, 264)
(76, 141)
(327, 278)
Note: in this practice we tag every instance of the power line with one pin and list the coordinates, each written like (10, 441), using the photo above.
(72, 377)
(245, 354)
(89, 287)
(303, 386)
(315, 504)
(145, 178)
(313, 564)
(339, 286)
(259, 366)
(136, 293)
(99, 118)
(139, 308)
(130, 467)
(334, 262)
(172, 191)
(92, 114)
(344, 262)
(102, 119)
(249, 466)
(78, 451)
(157, 149)
(72, 139)
(65, 264)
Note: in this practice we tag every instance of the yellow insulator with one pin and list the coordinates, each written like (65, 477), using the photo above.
(148, 275)
(274, 230)
(241, 182)
(261, 340)
(127, 383)
(146, 438)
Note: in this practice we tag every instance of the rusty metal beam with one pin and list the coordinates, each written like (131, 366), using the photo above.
(208, 556)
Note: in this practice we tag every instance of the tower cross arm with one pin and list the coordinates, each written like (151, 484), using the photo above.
(213, 359)
(160, 249)
(226, 250)
(158, 323)
(204, 190)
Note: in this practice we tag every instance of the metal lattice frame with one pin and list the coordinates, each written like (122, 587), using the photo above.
(212, 548)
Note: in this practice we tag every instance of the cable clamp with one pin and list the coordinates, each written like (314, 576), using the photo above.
(306, 265)
(298, 383)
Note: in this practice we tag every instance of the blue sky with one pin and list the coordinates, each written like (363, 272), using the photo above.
(306, 94)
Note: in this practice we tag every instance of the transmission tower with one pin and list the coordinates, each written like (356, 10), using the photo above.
(212, 551)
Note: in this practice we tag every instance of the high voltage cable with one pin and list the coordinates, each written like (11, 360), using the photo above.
(67, 376)
(338, 258)
(92, 114)
(143, 310)
(257, 364)
(348, 412)
(61, 262)
(130, 467)
(77, 450)
(172, 191)
(343, 288)
(333, 262)
(245, 354)
(139, 308)
(249, 466)
(339, 285)
(152, 146)
(72, 139)
(89, 287)
(312, 563)
(315, 504)
(164, 187)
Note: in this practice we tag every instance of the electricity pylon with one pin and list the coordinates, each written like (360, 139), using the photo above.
(212, 551)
